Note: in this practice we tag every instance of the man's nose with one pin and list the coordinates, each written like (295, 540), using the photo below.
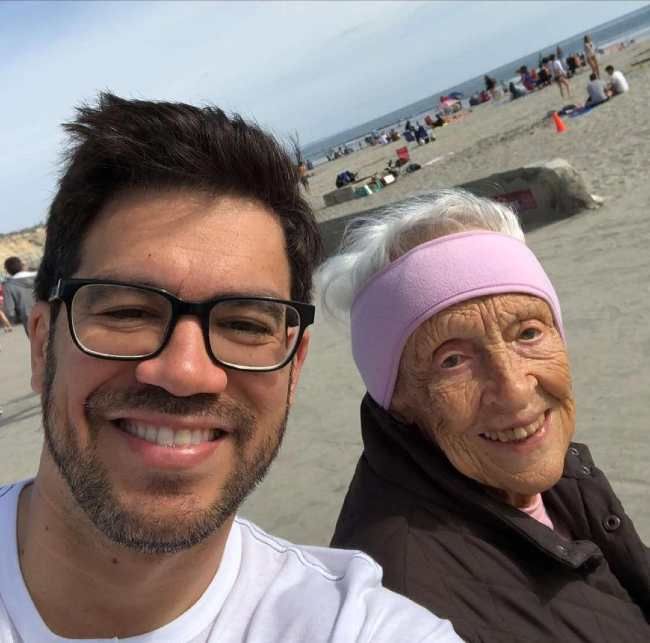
(509, 384)
(184, 367)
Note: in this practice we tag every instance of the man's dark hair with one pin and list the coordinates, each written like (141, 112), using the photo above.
(609, 69)
(13, 265)
(592, 76)
(129, 144)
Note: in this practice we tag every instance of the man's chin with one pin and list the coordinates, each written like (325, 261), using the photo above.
(168, 528)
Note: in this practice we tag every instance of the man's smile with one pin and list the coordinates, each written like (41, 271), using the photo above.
(166, 436)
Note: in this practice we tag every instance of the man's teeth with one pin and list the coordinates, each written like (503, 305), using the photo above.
(166, 437)
(515, 435)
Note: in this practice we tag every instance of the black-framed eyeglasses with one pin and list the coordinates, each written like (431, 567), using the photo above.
(121, 321)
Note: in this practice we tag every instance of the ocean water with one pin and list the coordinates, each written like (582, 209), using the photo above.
(635, 25)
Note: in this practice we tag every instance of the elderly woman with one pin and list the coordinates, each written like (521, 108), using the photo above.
(469, 491)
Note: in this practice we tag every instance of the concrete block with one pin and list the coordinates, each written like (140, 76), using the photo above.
(340, 195)
(539, 193)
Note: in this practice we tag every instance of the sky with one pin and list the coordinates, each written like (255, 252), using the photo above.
(312, 67)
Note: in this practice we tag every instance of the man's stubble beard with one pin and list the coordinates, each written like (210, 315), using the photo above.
(90, 485)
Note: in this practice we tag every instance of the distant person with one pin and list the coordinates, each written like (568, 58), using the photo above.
(573, 63)
(526, 79)
(618, 84)
(590, 55)
(18, 292)
(560, 75)
(544, 76)
(5, 324)
(596, 90)
(303, 176)
(7, 327)
(515, 92)
(490, 85)
(421, 135)
(440, 121)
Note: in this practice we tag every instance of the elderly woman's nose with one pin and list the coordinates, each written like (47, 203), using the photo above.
(509, 382)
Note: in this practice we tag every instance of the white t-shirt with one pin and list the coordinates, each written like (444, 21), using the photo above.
(558, 69)
(597, 90)
(619, 83)
(265, 591)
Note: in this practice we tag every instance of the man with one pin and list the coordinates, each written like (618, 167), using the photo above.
(560, 75)
(18, 292)
(167, 341)
(544, 75)
(5, 323)
(619, 84)
(596, 90)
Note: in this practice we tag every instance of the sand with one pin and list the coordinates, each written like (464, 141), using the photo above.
(610, 144)
(599, 262)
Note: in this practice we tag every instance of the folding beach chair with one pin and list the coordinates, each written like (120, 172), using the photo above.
(403, 156)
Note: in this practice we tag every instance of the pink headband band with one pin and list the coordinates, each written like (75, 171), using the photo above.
(430, 278)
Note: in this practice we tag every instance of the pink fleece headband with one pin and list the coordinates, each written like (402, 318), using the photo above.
(430, 278)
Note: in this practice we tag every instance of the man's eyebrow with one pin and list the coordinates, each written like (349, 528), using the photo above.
(268, 307)
(135, 281)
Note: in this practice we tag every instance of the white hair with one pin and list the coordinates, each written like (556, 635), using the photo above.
(370, 244)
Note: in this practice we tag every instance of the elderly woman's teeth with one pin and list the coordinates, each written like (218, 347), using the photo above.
(515, 435)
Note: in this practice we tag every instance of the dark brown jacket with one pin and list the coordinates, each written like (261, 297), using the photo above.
(498, 574)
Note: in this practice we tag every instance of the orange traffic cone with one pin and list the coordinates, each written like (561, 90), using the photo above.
(559, 123)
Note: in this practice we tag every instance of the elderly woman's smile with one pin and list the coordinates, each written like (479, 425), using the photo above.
(470, 491)
(488, 380)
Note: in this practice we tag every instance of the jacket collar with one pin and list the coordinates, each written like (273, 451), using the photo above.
(401, 455)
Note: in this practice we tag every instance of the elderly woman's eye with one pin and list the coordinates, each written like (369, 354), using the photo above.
(530, 333)
(451, 361)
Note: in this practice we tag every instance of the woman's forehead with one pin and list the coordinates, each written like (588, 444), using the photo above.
(483, 312)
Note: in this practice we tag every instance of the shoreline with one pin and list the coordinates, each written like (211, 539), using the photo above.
(499, 136)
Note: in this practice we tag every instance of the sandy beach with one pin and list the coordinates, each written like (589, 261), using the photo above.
(599, 262)
(610, 145)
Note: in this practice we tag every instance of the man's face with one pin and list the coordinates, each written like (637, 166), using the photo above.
(488, 380)
(165, 498)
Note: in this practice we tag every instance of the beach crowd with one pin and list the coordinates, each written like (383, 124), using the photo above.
(169, 323)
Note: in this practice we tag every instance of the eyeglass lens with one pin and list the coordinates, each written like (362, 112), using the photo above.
(122, 321)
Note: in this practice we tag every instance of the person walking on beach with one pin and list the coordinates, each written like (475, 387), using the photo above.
(18, 291)
(167, 340)
(560, 75)
(590, 55)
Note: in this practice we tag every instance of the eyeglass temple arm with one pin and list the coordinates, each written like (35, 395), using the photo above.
(55, 293)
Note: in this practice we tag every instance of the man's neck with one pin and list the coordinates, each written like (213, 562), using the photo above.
(96, 589)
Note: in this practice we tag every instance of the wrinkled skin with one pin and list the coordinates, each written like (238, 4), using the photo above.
(487, 365)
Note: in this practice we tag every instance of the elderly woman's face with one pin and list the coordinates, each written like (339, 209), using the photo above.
(488, 380)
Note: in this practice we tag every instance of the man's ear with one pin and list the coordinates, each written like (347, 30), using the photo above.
(39, 335)
(298, 361)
